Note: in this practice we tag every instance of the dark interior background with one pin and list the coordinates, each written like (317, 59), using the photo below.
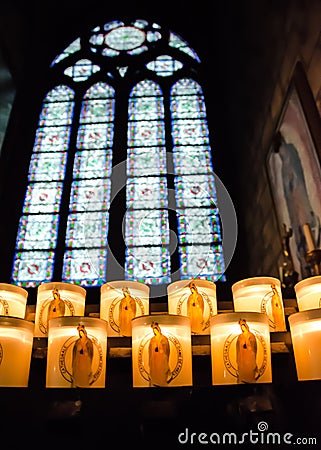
(249, 51)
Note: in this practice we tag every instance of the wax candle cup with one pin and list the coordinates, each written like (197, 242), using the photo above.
(240, 348)
(16, 340)
(261, 294)
(308, 293)
(13, 300)
(77, 350)
(196, 299)
(57, 299)
(161, 351)
(305, 327)
(120, 302)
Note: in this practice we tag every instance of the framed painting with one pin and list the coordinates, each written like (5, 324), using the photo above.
(295, 175)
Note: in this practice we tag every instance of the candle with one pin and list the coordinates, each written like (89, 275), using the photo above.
(161, 351)
(13, 300)
(120, 302)
(196, 299)
(16, 340)
(261, 294)
(308, 237)
(308, 293)
(77, 350)
(240, 348)
(305, 327)
(56, 299)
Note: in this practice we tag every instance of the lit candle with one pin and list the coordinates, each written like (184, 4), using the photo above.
(77, 350)
(13, 300)
(120, 302)
(161, 351)
(308, 237)
(240, 348)
(56, 299)
(196, 299)
(308, 293)
(263, 295)
(16, 340)
(305, 327)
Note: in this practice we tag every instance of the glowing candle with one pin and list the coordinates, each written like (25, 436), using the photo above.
(240, 348)
(16, 340)
(308, 237)
(161, 351)
(305, 327)
(195, 299)
(261, 294)
(308, 293)
(56, 299)
(77, 351)
(13, 300)
(120, 302)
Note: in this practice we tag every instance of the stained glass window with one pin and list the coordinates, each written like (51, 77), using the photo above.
(200, 240)
(147, 228)
(37, 233)
(85, 257)
(132, 95)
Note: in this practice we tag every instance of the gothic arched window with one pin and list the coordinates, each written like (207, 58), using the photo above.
(121, 182)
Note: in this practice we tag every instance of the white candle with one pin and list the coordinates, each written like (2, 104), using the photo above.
(263, 295)
(16, 340)
(308, 293)
(305, 329)
(13, 300)
(234, 361)
(162, 353)
(308, 237)
(64, 368)
(181, 299)
(72, 295)
(120, 302)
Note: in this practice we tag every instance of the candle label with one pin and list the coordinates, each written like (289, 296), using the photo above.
(195, 308)
(160, 357)
(272, 305)
(81, 359)
(245, 355)
(54, 306)
(4, 307)
(122, 310)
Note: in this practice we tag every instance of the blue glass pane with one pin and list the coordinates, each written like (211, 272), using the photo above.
(91, 164)
(147, 192)
(202, 261)
(87, 229)
(192, 159)
(198, 225)
(37, 231)
(86, 267)
(151, 160)
(147, 227)
(32, 268)
(149, 265)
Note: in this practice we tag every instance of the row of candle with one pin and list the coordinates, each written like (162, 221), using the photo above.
(161, 344)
